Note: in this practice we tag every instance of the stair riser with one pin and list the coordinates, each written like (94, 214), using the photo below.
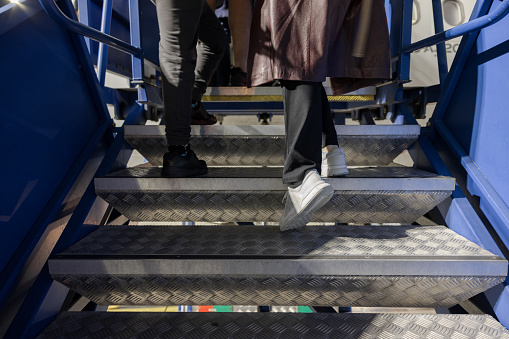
(375, 150)
(272, 325)
(360, 207)
(348, 291)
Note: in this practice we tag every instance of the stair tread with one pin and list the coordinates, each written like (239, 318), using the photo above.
(389, 266)
(340, 241)
(272, 325)
(271, 130)
(269, 178)
(316, 250)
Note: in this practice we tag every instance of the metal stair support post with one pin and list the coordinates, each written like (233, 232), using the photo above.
(137, 62)
(439, 27)
(103, 49)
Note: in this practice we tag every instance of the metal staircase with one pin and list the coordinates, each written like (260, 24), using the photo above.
(83, 232)
(361, 250)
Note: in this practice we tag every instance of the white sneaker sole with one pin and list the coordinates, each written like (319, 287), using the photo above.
(334, 171)
(321, 195)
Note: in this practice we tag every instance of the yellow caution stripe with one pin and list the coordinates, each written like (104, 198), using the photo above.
(266, 98)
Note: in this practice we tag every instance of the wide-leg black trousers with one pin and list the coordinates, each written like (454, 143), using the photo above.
(307, 119)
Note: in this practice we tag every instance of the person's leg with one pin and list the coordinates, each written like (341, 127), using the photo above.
(333, 156)
(210, 50)
(239, 17)
(178, 27)
(211, 46)
(328, 128)
(222, 75)
(303, 129)
(307, 192)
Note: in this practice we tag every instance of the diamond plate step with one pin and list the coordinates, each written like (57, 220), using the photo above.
(366, 195)
(99, 325)
(264, 145)
(370, 266)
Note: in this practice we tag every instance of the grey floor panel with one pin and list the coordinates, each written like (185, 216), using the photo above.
(99, 325)
(264, 145)
(386, 266)
(366, 195)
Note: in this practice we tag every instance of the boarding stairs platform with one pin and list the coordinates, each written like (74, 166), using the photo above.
(269, 100)
(363, 248)
(96, 244)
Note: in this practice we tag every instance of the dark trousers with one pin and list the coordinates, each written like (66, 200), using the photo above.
(186, 68)
(307, 118)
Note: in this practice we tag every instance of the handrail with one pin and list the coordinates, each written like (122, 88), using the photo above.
(57, 15)
(102, 55)
(468, 27)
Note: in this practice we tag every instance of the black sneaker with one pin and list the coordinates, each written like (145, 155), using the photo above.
(182, 165)
(238, 77)
(200, 116)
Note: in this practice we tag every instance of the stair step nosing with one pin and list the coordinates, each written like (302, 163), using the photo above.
(272, 130)
(367, 266)
(270, 184)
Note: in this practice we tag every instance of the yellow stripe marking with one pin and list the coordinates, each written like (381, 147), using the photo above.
(265, 98)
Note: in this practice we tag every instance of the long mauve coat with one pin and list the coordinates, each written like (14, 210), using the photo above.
(313, 39)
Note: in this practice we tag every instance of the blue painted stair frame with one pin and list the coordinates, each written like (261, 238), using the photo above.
(57, 135)
(467, 131)
(471, 118)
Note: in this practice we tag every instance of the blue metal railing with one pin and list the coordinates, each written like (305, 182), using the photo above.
(103, 48)
(103, 36)
(137, 63)
(7, 7)
(438, 21)
(56, 14)
(466, 28)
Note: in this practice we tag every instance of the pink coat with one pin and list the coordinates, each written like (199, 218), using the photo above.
(313, 39)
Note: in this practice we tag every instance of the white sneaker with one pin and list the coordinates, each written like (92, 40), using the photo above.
(334, 163)
(305, 199)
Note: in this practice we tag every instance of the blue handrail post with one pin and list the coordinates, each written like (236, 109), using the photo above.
(406, 38)
(103, 49)
(84, 17)
(481, 9)
(134, 23)
(401, 35)
(439, 28)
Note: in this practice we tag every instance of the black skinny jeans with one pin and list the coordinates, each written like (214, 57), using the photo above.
(307, 118)
(186, 72)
